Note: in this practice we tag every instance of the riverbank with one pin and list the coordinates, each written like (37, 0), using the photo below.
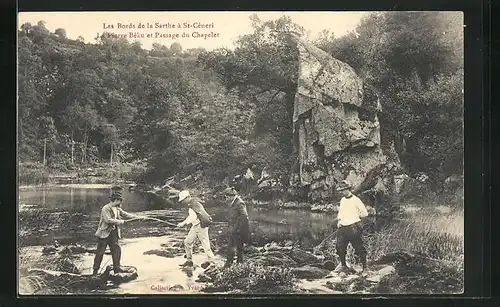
(422, 254)
(35, 174)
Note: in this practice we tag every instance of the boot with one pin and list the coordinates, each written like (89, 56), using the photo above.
(363, 264)
(188, 263)
(239, 256)
(343, 265)
(230, 259)
(206, 264)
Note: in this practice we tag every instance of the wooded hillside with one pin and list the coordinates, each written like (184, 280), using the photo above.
(216, 113)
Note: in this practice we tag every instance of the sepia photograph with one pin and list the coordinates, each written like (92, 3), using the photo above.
(256, 153)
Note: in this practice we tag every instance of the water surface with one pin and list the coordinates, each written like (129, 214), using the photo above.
(71, 214)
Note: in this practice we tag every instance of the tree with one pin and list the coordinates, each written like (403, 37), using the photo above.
(60, 32)
(158, 50)
(110, 137)
(263, 62)
(48, 133)
(176, 48)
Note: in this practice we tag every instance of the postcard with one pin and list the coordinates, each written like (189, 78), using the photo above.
(168, 153)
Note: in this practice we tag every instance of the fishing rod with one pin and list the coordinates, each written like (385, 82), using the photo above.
(150, 218)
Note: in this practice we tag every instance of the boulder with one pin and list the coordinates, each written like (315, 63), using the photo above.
(202, 277)
(302, 257)
(284, 261)
(329, 265)
(274, 253)
(70, 281)
(342, 283)
(49, 250)
(250, 249)
(335, 123)
(176, 288)
(74, 249)
(377, 276)
(129, 273)
(212, 272)
(273, 246)
(67, 265)
(161, 253)
(309, 272)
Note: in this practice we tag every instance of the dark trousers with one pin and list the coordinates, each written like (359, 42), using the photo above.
(353, 234)
(235, 247)
(116, 252)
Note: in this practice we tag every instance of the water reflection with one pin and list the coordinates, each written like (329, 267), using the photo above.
(72, 214)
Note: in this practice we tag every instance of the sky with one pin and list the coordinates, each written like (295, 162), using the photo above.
(220, 29)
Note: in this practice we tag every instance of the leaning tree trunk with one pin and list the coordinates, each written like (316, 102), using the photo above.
(84, 148)
(72, 149)
(111, 158)
(44, 151)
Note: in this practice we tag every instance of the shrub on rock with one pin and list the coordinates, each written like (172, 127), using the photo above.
(249, 277)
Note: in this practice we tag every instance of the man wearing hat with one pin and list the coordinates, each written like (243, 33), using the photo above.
(108, 232)
(199, 220)
(239, 230)
(351, 211)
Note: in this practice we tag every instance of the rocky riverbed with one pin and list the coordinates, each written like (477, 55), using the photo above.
(155, 268)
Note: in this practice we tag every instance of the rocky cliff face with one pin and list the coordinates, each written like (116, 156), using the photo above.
(336, 127)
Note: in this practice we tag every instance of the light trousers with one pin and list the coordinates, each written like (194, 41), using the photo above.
(202, 234)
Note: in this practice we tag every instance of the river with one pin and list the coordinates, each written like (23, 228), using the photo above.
(70, 215)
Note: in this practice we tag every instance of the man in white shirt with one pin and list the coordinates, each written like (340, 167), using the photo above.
(199, 220)
(350, 229)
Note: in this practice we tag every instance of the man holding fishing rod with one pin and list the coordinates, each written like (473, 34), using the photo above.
(349, 226)
(199, 220)
(108, 232)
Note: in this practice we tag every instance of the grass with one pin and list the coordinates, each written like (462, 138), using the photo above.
(433, 236)
(436, 236)
(437, 239)
(30, 257)
(31, 283)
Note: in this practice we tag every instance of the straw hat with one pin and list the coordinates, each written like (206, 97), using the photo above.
(344, 185)
(230, 191)
(183, 195)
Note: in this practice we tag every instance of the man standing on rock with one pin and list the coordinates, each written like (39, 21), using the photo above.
(351, 211)
(239, 230)
(108, 231)
(199, 220)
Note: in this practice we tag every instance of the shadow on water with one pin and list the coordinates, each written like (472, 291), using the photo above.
(71, 215)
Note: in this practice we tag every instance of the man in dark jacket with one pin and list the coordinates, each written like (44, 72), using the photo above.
(238, 226)
(108, 232)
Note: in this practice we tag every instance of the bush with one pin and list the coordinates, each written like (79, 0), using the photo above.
(34, 283)
(133, 173)
(255, 278)
(32, 174)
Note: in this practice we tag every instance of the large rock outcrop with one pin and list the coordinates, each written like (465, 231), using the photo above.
(336, 127)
